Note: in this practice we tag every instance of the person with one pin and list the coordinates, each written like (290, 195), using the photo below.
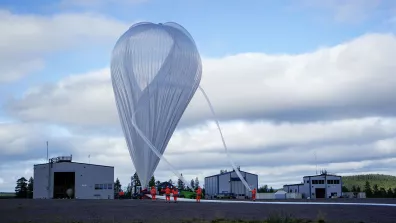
(153, 193)
(254, 194)
(199, 194)
(167, 194)
(175, 194)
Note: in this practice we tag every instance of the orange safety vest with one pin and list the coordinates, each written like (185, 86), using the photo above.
(167, 191)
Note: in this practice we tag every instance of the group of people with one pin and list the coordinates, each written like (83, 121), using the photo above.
(175, 194)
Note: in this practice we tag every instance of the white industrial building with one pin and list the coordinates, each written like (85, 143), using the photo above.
(86, 181)
(317, 186)
(229, 182)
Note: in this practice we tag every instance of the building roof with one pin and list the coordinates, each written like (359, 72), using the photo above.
(321, 175)
(300, 184)
(230, 172)
(88, 164)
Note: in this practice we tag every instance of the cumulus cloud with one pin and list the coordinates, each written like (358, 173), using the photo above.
(278, 152)
(29, 38)
(353, 79)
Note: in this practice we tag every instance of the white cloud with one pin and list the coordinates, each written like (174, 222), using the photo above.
(279, 152)
(350, 11)
(29, 38)
(328, 83)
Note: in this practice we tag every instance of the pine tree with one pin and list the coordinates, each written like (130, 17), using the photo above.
(30, 187)
(152, 181)
(192, 184)
(196, 183)
(389, 193)
(180, 184)
(117, 186)
(376, 192)
(367, 189)
(21, 189)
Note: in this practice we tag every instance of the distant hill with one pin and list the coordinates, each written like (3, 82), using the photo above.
(385, 181)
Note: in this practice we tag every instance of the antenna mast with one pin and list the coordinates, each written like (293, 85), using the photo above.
(316, 163)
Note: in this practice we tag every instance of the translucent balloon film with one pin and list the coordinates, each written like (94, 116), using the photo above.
(155, 71)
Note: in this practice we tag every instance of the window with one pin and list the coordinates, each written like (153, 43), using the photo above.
(330, 181)
(109, 186)
(314, 181)
(96, 186)
(321, 181)
(105, 186)
(336, 181)
(100, 186)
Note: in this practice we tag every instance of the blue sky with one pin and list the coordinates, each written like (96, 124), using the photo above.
(299, 82)
(220, 28)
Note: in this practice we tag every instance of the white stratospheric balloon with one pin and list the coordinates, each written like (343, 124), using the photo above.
(155, 71)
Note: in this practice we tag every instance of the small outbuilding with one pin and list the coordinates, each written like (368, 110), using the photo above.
(280, 194)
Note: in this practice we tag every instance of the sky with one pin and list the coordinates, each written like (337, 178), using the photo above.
(298, 86)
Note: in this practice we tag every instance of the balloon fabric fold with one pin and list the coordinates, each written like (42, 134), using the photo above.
(155, 71)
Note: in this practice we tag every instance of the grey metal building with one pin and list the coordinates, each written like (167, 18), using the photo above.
(229, 182)
(60, 174)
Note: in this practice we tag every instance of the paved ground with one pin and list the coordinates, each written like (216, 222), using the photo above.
(13, 210)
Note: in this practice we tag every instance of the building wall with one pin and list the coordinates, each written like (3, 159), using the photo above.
(252, 180)
(224, 183)
(229, 183)
(211, 185)
(327, 182)
(91, 181)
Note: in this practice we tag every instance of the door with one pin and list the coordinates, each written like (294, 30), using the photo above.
(320, 192)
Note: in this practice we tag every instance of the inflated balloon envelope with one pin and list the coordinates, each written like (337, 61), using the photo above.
(155, 70)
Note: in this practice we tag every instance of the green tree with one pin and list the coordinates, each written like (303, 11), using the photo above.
(196, 183)
(152, 182)
(180, 184)
(136, 181)
(358, 189)
(128, 192)
(192, 183)
(21, 189)
(353, 188)
(271, 190)
(30, 187)
(389, 193)
(344, 189)
(376, 192)
(367, 189)
(263, 189)
(382, 192)
(117, 186)
(394, 192)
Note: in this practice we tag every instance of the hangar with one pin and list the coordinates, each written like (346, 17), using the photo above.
(60, 175)
(229, 183)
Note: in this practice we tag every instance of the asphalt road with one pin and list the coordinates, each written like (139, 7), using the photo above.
(14, 210)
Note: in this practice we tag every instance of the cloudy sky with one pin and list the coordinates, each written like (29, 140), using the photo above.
(288, 79)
